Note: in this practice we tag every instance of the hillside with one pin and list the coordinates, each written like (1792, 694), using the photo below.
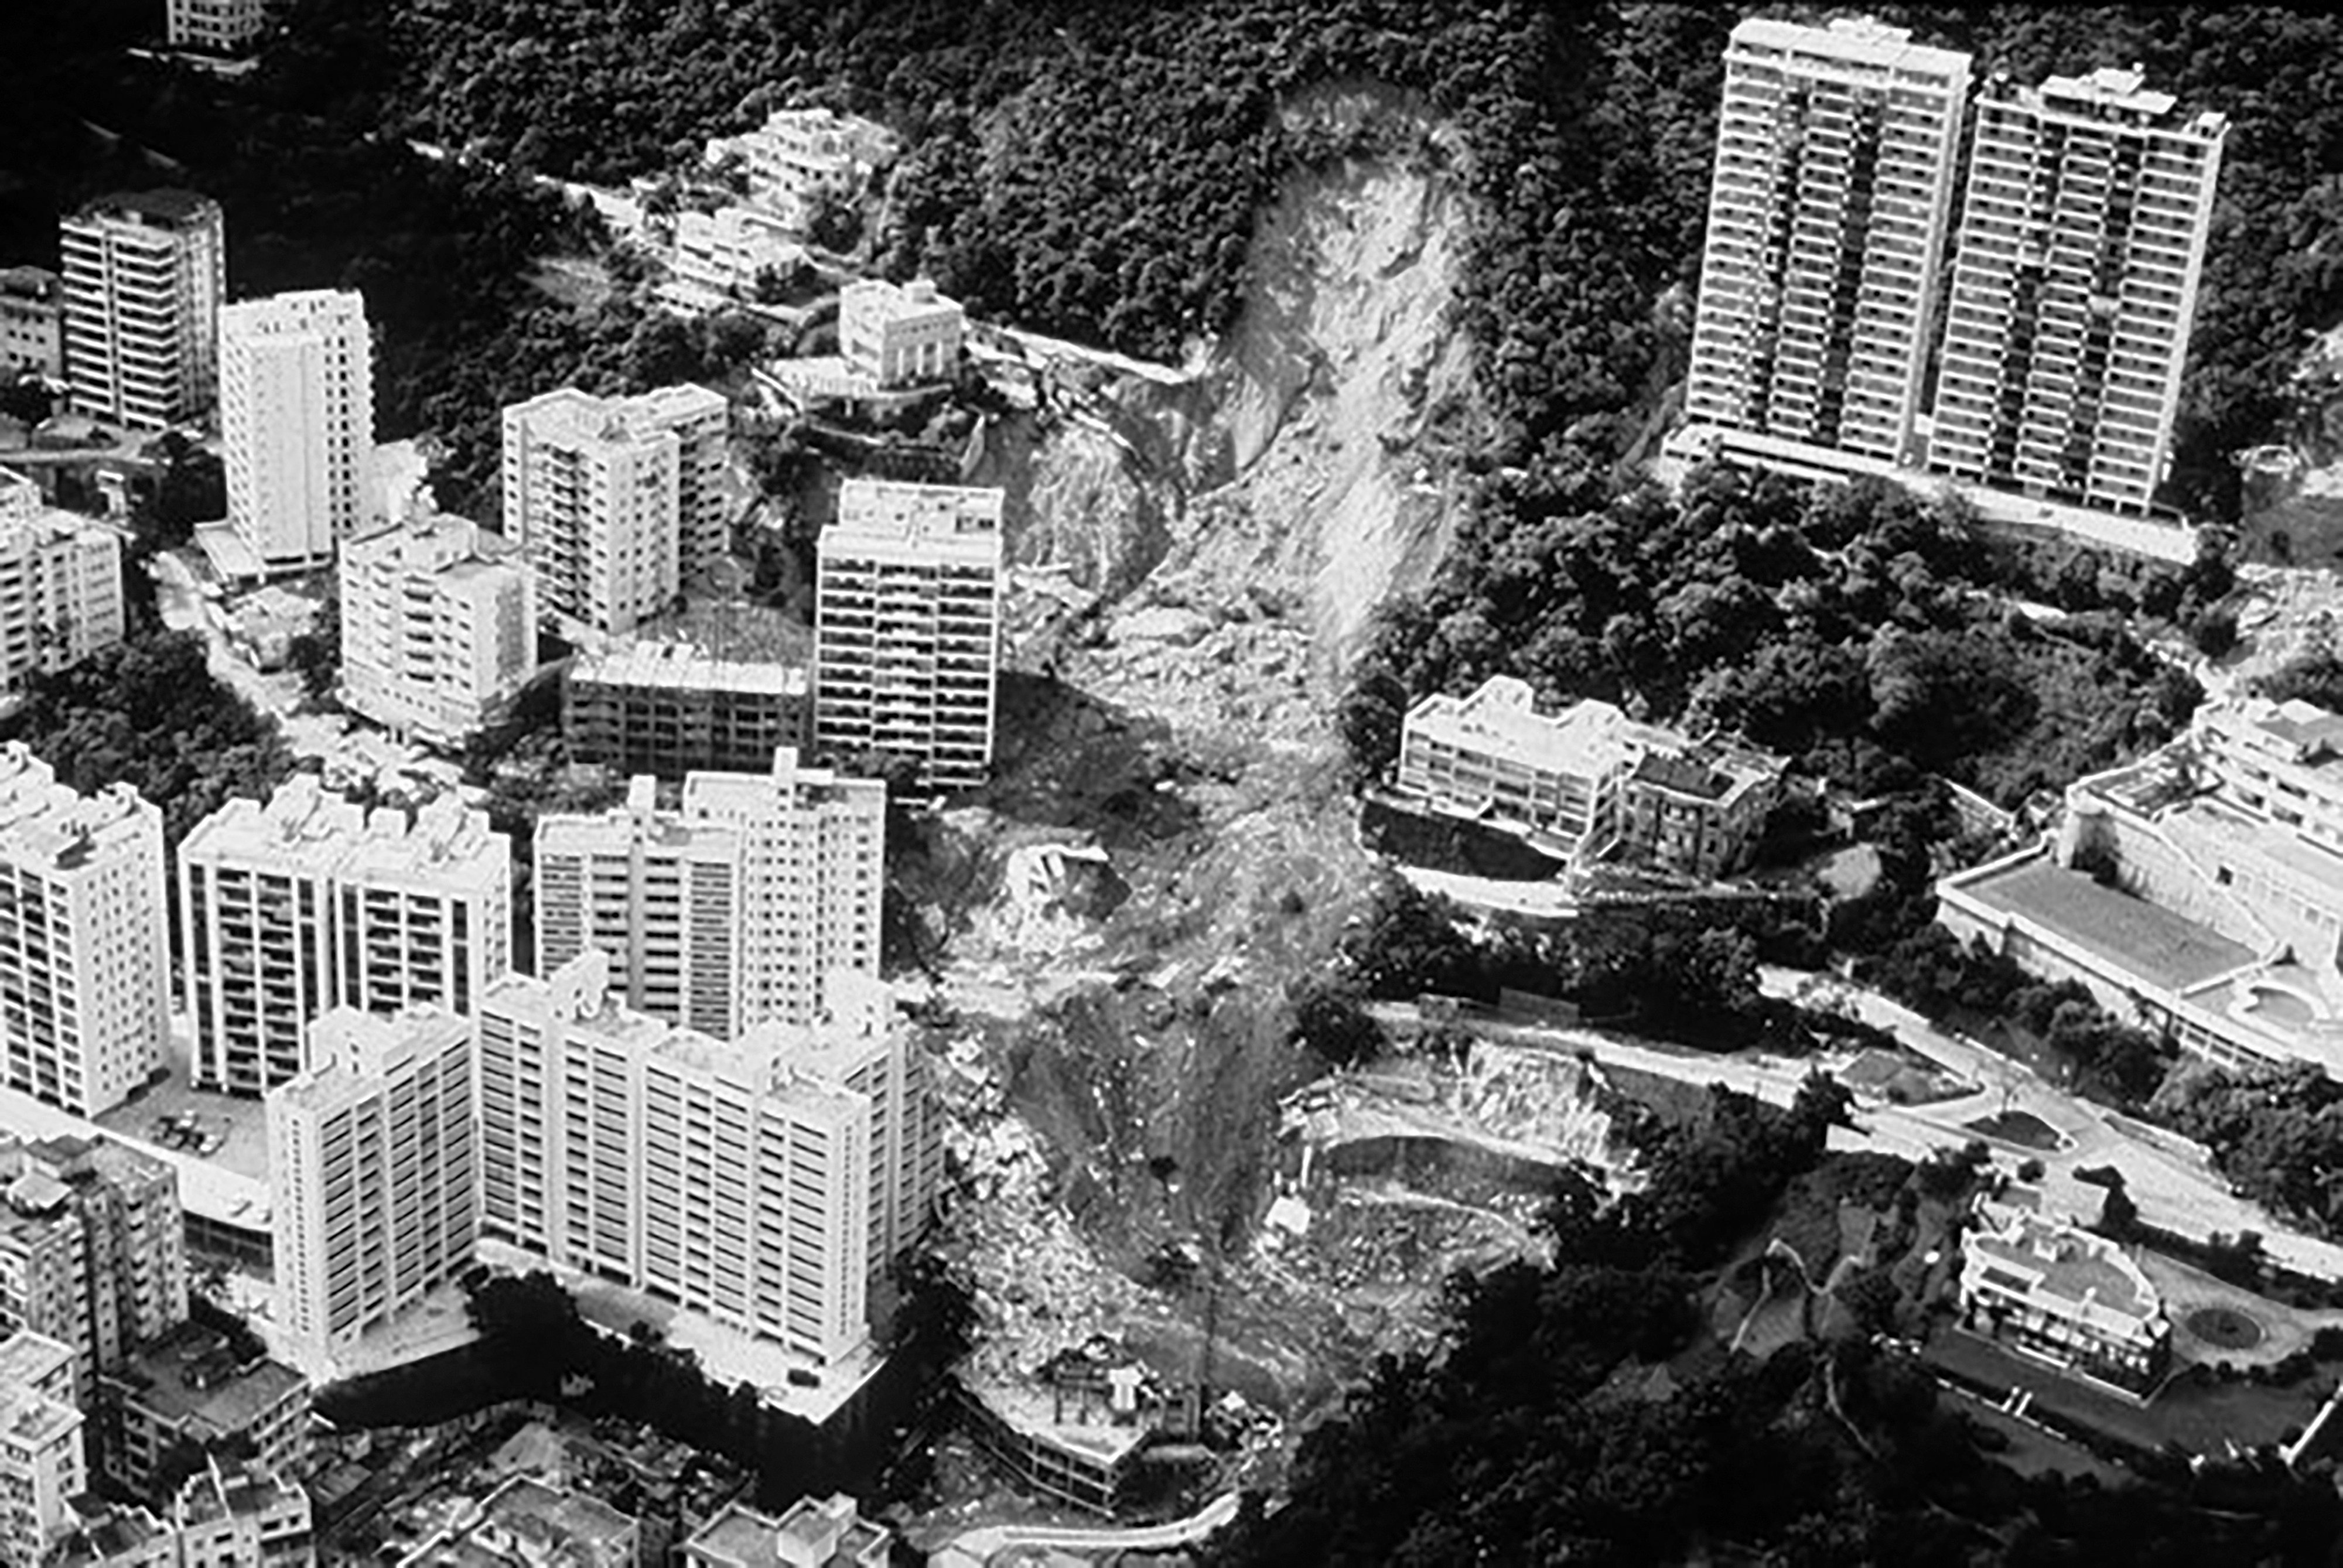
(1170, 843)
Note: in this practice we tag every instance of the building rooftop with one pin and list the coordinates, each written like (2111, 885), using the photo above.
(2170, 950)
(210, 1192)
(531, 1524)
(1859, 40)
(33, 1419)
(27, 1358)
(310, 830)
(737, 1533)
(1500, 719)
(53, 827)
(577, 418)
(191, 1376)
(947, 522)
(162, 207)
(352, 1049)
(685, 666)
(2088, 1273)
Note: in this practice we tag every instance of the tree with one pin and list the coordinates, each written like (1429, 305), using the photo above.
(1329, 1019)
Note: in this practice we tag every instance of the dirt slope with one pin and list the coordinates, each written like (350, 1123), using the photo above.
(1118, 921)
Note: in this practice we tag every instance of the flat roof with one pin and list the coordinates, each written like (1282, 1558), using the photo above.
(34, 1419)
(1499, 719)
(1858, 40)
(209, 1192)
(161, 1375)
(161, 205)
(2168, 949)
(686, 667)
(27, 1358)
(738, 1533)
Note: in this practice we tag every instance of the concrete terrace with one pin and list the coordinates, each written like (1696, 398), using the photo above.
(2171, 951)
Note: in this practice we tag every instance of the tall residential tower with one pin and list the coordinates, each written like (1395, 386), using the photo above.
(2073, 288)
(1835, 157)
(144, 274)
(297, 424)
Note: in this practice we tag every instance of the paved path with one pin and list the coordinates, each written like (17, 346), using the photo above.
(983, 1544)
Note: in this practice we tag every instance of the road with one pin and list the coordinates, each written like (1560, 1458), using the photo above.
(982, 1545)
(184, 608)
(2175, 1187)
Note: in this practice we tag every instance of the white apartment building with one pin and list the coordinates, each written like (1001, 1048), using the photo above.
(667, 707)
(661, 897)
(19, 496)
(908, 626)
(32, 324)
(799, 155)
(239, 1515)
(41, 1467)
(60, 592)
(297, 424)
(438, 630)
(216, 26)
(84, 961)
(310, 903)
(856, 1044)
(706, 1174)
(731, 910)
(615, 500)
(1837, 153)
(903, 335)
(144, 274)
(2073, 288)
(813, 852)
(374, 1167)
(721, 256)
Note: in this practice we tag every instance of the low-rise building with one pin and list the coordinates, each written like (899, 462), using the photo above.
(799, 158)
(242, 1516)
(1587, 783)
(32, 324)
(215, 26)
(816, 1533)
(730, 255)
(665, 708)
(2200, 890)
(529, 1523)
(2059, 1293)
(196, 1386)
(903, 335)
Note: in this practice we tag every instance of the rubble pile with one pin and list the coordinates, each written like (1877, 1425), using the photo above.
(1040, 1290)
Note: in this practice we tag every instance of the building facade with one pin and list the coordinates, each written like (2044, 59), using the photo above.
(438, 629)
(727, 255)
(231, 1515)
(661, 897)
(215, 26)
(1587, 782)
(615, 500)
(32, 324)
(374, 1167)
(297, 424)
(732, 910)
(908, 626)
(311, 903)
(708, 1175)
(2073, 291)
(799, 157)
(84, 961)
(144, 274)
(665, 708)
(42, 1467)
(526, 1522)
(904, 334)
(1837, 149)
(93, 1249)
(60, 593)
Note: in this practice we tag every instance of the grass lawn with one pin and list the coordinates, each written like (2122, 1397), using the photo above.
(2201, 1417)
